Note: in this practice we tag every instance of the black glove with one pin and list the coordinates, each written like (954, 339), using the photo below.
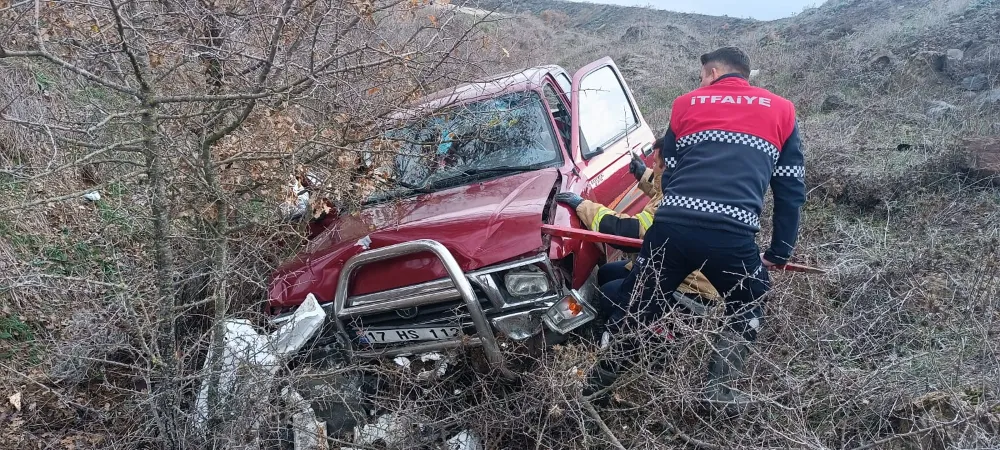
(637, 168)
(569, 198)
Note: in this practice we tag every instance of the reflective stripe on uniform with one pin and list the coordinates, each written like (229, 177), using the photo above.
(645, 219)
(596, 223)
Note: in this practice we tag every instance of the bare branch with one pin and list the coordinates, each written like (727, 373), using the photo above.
(600, 423)
(261, 77)
(81, 280)
(208, 98)
(109, 117)
(143, 86)
(76, 194)
(68, 66)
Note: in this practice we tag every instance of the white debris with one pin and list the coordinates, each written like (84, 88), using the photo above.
(307, 428)
(388, 428)
(440, 366)
(365, 242)
(250, 353)
(433, 356)
(293, 334)
(402, 361)
(92, 196)
(465, 440)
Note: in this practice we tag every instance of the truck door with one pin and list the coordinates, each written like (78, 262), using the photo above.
(606, 127)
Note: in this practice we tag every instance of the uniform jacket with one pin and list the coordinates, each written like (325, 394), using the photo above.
(726, 144)
(606, 220)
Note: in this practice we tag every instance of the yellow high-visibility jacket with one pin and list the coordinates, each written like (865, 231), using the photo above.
(606, 220)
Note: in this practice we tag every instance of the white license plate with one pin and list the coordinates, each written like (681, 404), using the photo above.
(386, 335)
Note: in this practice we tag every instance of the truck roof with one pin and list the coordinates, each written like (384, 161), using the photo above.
(487, 88)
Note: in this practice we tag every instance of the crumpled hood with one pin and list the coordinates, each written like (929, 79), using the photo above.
(482, 224)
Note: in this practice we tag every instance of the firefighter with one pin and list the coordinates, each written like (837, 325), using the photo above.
(602, 219)
(727, 142)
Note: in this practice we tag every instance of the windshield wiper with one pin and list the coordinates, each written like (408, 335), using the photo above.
(414, 188)
(472, 172)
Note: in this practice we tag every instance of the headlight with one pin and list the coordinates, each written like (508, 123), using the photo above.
(569, 313)
(523, 284)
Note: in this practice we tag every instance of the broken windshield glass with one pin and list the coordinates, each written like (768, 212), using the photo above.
(457, 145)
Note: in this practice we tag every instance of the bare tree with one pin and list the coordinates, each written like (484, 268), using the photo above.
(207, 108)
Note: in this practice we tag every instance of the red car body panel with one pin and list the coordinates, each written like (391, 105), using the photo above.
(483, 223)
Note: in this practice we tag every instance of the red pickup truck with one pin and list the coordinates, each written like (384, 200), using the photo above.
(452, 253)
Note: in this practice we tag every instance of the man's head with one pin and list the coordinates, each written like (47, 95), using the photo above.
(657, 147)
(722, 61)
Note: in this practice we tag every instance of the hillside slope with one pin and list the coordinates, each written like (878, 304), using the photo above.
(899, 106)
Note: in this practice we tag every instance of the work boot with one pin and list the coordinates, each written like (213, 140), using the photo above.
(725, 367)
(601, 377)
(619, 357)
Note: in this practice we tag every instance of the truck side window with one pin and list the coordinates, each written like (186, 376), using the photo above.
(565, 84)
(559, 112)
(606, 114)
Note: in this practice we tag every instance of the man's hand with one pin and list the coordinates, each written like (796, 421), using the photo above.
(569, 198)
(637, 168)
(767, 264)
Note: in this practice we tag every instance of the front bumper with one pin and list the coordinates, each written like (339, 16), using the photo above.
(476, 302)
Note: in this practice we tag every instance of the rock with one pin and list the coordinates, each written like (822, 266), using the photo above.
(883, 61)
(833, 102)
(937, 61)
(635, 33)
(92, 196)
(975, 83)
(984, 158)
(991, 98)
(940, 110)
(954, 54)
(837, 32)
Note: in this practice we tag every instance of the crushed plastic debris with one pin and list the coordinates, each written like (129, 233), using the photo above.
(245, 348)
(465, 440)
(365, 242)
(433, 356)
(388, 428)
(402, 361)
(304, 421)
(92, 196)
(440, 366)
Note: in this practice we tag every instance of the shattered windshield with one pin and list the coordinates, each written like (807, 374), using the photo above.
(454, 146)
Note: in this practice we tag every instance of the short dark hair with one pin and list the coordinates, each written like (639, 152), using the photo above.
(731, 57)
(658, 144)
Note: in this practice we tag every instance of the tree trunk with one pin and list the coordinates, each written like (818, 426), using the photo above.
(166, 404)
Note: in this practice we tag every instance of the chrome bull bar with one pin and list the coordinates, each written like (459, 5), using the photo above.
(484, 331)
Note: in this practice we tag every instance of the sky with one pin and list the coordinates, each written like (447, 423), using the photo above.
(757, 9)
